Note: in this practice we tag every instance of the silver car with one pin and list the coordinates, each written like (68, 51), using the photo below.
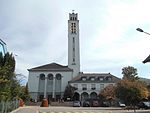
(76, 104)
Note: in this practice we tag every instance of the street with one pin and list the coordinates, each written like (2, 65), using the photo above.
(52, 109)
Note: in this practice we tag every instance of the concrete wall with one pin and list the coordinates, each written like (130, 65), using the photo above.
(36, 85)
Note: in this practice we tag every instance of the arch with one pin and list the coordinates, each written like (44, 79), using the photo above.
(58, 76)
(93, 95)
(84, 96)
(58, 83)
(50, 81)
(50, 76)
(42, 76)
(76, 96)
(41, 85)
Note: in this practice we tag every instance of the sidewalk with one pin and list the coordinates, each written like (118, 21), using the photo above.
(26, 109)
(36, 109)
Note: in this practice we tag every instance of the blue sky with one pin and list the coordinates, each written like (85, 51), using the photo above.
(36, 33)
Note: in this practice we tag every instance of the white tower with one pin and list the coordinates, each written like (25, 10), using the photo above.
(73, 43)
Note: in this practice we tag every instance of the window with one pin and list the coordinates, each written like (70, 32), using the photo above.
(93, 87)
(50, 76)
(109, 79)
(73, 50)
(101, 78)
(76, 86)
(110, 84)
(84, 86)
(84, 78)
(73, 27)
(42, 76)
(92, 78)
(101, 86)
(58, 76)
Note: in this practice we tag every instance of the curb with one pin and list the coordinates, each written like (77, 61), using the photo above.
(16, 110)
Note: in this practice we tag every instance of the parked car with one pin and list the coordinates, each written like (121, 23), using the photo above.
(76, 104)
(95, 103)
(122, 104)
(144, 105)
(105, 104)
(86, 104)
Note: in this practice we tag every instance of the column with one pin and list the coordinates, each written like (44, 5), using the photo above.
(45, 87)
(62, 87)
(53, 95)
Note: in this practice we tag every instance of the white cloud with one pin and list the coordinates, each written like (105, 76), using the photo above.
(37, 32)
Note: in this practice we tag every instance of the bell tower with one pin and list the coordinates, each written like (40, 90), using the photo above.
(73, 43)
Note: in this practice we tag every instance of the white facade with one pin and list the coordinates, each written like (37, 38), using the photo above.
(73, 44)
(88, 86)
(48, 83)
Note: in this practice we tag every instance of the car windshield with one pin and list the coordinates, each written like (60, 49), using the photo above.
(147, 103)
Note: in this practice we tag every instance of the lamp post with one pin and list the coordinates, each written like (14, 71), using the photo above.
(148, 58)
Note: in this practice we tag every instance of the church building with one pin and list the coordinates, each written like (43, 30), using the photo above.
(50, 80)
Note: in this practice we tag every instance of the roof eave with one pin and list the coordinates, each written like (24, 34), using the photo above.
(147, 59)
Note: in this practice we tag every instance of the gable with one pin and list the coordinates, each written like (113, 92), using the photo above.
(51, 67)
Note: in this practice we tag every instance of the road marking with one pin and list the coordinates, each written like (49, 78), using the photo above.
(84, 112)
(52, 112)
(74, 112)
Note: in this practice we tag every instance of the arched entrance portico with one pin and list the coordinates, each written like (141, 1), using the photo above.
(76, 96)
(84, 96)
(93, 95)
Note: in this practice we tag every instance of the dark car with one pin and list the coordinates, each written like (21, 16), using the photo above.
(105, 104)
(95, 103)
(144, 105)
(86, 104)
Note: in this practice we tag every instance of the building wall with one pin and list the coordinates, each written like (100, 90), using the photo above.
(36, 85)
(89, 91)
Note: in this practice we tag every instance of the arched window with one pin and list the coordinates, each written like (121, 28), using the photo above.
(42, 76)
(58, 76)
(50, 76)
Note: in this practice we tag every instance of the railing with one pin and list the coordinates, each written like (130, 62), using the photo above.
(8, 106)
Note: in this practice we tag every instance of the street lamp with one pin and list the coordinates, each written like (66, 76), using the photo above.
(141, 30)
(148, 58)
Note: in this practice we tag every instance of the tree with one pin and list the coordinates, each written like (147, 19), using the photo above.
(109, 93)
(23, 93)
(131, 92)
(10, 87)
(130, 73)
(69, 91)
(7, 76)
